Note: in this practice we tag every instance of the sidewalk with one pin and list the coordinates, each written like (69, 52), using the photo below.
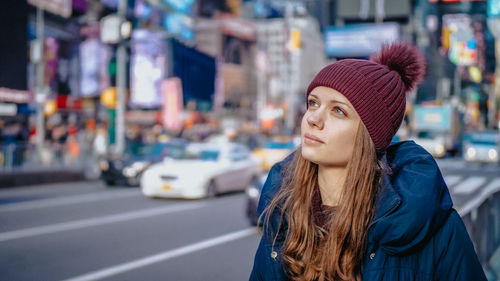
(23, 177)
(23, 165)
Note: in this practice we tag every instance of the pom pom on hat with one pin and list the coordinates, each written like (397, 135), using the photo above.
(405, 59)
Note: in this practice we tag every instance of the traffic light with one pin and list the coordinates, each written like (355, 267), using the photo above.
(294, 39)
(234, 6)
(109, 97)
(50, 108)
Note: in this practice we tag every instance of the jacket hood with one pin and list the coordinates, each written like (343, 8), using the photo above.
(414, 201)
(412, 205)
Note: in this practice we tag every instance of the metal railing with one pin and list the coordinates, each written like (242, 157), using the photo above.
(17, 157)
(482, 220)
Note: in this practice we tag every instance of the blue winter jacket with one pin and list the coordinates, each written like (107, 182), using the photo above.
(415, 233)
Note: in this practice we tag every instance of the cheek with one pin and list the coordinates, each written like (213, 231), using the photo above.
(341, 141)
(346, 138)
(304, 122)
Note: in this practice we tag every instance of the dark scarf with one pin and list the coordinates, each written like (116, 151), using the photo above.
(321, 213)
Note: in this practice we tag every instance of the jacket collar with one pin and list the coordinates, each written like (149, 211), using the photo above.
(414, 200)
(388, 199)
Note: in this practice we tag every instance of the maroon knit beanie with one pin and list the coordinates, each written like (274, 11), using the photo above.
(377, 87)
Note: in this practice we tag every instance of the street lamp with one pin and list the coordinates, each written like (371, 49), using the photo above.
(114, 29)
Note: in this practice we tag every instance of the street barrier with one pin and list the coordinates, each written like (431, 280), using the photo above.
(482, 220)
(67, 163)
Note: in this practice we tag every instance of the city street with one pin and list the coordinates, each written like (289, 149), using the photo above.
(73, 230)
(87, 231)
(97, 96)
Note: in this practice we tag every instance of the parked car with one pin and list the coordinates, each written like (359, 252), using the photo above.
(437, 129)
(273, 151)
(433, 142)
(482, 147)
(251, 140)
(129, 168)
(201, 170)
(253, 194)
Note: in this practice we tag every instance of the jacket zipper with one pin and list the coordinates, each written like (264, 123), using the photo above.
(396, 203)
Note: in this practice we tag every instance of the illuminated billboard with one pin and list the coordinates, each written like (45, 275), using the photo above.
(358, 40)
(148, 64)
(94, 58)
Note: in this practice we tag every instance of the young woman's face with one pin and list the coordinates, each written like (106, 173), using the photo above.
(328, 128)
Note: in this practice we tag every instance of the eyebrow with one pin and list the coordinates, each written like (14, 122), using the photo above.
(333, 101)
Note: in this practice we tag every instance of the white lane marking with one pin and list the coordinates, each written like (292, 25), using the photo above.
(40, 230)
(452, 180)
(450, 164)
(124, 267)
(52, 188)
(68, 200)
(491, 188)
(469, 185)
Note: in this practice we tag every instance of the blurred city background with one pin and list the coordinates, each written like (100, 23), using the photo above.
(114, 112)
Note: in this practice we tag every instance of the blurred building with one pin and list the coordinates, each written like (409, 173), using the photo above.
(493, 22)
(290, 52)
(14, 94)
(232, 40)
(460, 46)
(455, 35)
(245, 60)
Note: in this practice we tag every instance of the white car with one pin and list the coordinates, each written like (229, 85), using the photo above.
(434, 143)
(274, 151)
(201, 170)
(482, 147)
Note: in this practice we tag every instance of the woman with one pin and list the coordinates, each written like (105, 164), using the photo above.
(347, 205)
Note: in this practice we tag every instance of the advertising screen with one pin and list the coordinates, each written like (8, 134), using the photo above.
(358, 40)
(94, 58)
(172, 103)
(148, 64)
(181, 25)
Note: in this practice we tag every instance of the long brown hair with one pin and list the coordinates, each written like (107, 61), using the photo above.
(335, 253)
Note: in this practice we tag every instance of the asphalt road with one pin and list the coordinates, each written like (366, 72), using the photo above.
(86, 231)
(468, 182)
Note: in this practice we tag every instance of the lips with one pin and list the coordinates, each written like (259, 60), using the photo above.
(312, 138)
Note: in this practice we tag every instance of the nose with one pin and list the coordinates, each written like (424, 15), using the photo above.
(316, 119)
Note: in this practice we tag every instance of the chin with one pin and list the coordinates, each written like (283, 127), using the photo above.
(319, 158)
(310, 154)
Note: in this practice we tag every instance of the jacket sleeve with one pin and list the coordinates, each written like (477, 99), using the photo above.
(456, 257)
(263, 266)
(258, 264)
